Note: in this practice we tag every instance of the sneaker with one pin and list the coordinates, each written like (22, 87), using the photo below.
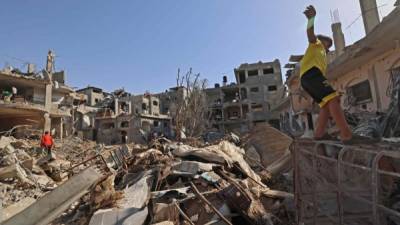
(357, 139)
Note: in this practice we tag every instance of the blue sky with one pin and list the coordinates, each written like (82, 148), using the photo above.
(139, 45)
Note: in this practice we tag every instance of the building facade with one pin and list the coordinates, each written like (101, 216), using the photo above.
(238, 106)
(36, 99)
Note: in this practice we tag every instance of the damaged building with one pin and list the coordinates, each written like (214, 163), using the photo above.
(241, 105)
(152, 115)
(119, 117)
(40, 100)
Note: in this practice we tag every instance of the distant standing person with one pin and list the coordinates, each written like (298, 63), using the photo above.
(47, 142)
(312, 74)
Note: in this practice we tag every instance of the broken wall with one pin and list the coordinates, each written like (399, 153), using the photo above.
(378, 72)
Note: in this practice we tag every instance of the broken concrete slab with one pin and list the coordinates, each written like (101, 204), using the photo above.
(270, 143)
(128, 216)
(9, 149)
(54, 168)
(209, 154)
(224, 152)
(193, 167)
(43, 180)
(54, 203)
(138, 194)
(12, 210)
(4, 141)
(17, 172)
(211, 177)
(177, 193)
(252, 157)
(9, 171)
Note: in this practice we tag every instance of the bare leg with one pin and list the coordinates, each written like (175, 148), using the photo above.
(323, 119)
(337, 114)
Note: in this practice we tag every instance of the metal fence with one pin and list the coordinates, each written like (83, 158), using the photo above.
(346, 185)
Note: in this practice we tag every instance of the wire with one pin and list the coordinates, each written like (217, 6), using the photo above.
(360, 15)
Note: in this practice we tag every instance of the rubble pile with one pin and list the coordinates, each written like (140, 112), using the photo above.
(165, 182)
(176, 183)
(28, 173)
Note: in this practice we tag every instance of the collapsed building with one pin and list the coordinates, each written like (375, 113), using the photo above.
(40, 100)
(162, 182)
(119, 117)
(150, 116)
(241, 105)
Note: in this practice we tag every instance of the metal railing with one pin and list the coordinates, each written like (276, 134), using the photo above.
(339, 157)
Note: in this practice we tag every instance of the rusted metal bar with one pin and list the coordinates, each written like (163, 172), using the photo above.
(183, 214)
(376, 153)
(203, 193)
(339, 186)
(314, 197)
(83, 162)
(375, 187)
(234, 183)
(260, 184)
(297, 189)
(203, 199)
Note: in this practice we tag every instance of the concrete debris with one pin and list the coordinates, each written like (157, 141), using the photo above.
(165, 212)
(130, 216)
(252, 157)
(164, 182)
(138, 194)
(14, 209)
(270, 143)
(51, 205)
(4, 141)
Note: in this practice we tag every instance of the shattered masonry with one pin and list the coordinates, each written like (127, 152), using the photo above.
(164, 181)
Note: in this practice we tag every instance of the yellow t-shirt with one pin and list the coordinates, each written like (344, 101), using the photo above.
(315, 56)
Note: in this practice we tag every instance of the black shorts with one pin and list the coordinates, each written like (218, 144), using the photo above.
(317, 86)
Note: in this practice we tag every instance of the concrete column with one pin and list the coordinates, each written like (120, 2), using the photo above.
(150, 108)
(116, 107)
(47, 122)
(338, 38)
(372, 77)
(130, 107)
(47, 106)
(61, 131)
(48, 97)
(369, 10)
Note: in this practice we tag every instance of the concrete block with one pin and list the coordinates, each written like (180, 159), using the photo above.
(47, 208)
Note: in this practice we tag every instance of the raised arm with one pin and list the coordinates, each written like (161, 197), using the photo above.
(310, 13)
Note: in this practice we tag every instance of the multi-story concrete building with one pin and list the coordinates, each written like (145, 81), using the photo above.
(38, 99)
(114, 121)
(148, 115)
(93, 95)
(238, 106)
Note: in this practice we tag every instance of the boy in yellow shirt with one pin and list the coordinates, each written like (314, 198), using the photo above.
(312, 74)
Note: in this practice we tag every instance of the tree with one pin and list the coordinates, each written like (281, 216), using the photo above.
(189, 105)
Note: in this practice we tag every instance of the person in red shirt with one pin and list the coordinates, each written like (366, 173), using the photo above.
(47, 142)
